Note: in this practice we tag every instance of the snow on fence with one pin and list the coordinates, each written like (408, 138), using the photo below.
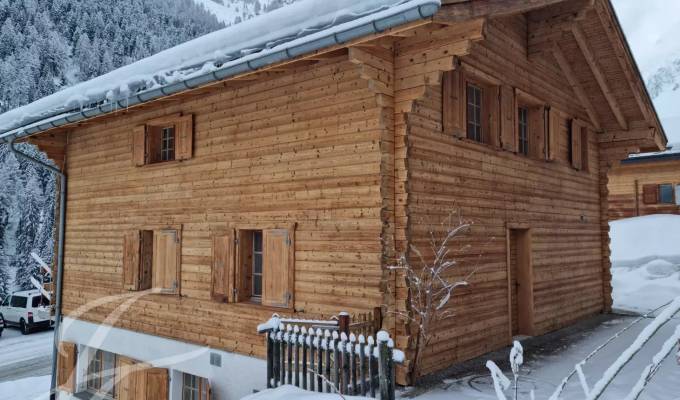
(330, 360)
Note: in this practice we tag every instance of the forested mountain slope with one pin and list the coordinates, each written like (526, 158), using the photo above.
(48, 45)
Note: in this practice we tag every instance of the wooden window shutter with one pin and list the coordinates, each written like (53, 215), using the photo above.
(223, 268)
(575, 151)
(537, 133)
(66, 367)
(491, 98)
(166, 261)
(508, 114)
(453, 103)
(277, 268)
(126, 374)
(585, 149)
(650, 194)
(185, 137)
(131, 260)
(156, 382)
(553, 123)
(139, 154)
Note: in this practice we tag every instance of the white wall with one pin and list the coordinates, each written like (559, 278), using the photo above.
(238, 376)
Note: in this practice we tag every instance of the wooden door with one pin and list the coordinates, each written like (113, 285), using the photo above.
(520, 282)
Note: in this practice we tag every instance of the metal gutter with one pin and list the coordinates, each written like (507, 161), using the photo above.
(45, 123)
(60, 256)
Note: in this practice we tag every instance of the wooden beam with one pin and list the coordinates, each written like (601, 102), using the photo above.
(633, 134)
(617, 41)
(599, 76)
(576, 85)
(462, 11)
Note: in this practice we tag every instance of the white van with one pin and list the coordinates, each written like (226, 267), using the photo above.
(27, 310)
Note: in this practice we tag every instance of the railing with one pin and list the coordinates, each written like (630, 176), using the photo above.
(329, 360)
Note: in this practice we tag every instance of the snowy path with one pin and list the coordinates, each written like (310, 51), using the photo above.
(547, 365)
(24, 356)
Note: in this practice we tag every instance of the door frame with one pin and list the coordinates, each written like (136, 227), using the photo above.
(525, 292)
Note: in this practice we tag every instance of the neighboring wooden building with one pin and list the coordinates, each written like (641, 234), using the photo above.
(291, 188)
(644, 184)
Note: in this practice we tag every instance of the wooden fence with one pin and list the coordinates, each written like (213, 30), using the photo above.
(330, 361)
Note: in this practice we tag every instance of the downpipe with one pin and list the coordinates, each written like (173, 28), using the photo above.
(60, 257)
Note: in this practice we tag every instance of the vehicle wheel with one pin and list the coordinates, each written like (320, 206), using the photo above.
(25, 330)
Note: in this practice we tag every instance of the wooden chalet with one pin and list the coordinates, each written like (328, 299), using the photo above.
(289, 189)
(645, 184)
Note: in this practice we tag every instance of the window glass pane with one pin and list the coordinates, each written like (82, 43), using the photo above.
(93, 371)
(257, 240)
(257, 285)
(257, 263)
(666, 194)
(38, 301)
(19, 301)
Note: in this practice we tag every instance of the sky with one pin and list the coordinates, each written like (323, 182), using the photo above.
(652, 28)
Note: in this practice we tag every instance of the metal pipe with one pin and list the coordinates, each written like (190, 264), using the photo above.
(60, 256)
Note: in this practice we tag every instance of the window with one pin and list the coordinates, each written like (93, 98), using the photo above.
(151, 260)
(257, 264)
(254, 265)
(666, 194)
(195, 388)
(523, 130)
(163, 140)
(167, 143)
(39, 301)
(101, 372)
(19, 301)
(474, 113)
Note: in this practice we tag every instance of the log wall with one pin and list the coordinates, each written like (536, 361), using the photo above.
(627, 180)
(298, 147)
(495, 189)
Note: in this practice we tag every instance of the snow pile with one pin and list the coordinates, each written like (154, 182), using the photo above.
(645, 262)
(281, 29)
(288, 392)
(651, 235)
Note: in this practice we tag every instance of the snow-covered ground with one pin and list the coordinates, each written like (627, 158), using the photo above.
(645, 262)
(33, 388)
(15, 347)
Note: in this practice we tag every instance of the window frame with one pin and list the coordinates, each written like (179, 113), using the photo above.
(243, 282)
(149, 140)
(199, 389)
(477, 122)
(523, 130)
(98, 375)
(661, 194)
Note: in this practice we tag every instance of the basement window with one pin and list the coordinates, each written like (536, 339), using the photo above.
(101, 373)
(195, 387)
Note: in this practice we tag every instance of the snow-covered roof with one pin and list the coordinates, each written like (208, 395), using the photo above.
(288, 32)
(672, 152)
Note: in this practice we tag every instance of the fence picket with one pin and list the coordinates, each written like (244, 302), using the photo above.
(325, 360)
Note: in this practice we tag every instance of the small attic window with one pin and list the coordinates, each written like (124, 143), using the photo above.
(164, 140)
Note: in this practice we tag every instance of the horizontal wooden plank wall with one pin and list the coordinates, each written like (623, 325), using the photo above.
(622, 187)
(494, 188)
(302, 146)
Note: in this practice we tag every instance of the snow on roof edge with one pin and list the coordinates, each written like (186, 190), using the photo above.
(206, 55)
